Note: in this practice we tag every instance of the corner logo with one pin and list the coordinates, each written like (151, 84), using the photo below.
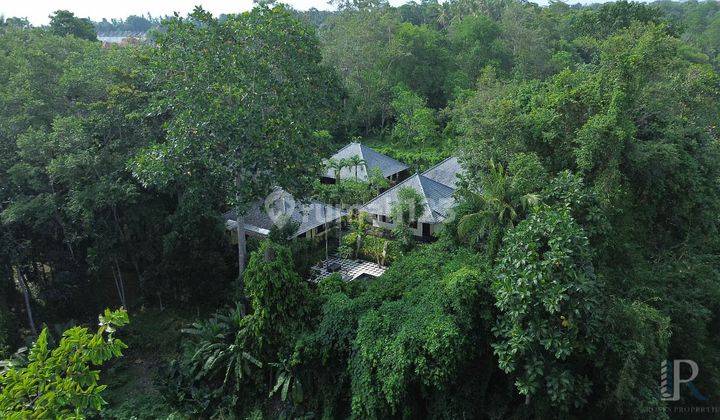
(671, 379)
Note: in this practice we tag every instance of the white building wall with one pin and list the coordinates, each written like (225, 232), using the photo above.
(417, 231)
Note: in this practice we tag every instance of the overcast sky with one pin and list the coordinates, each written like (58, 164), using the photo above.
(37, 11)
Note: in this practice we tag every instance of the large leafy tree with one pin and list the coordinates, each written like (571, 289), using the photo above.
(356, 43)
(475, 42)
(637, 128)
(244, 99)
(424, 324)
(279, 298)
(546, 290)
(63, 22)
(73, 217)
(36, 87)
(415, 123)
(420, 61)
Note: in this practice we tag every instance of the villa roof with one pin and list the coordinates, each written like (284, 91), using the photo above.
(387, 165)
(260, 219)
(437, 199)
(445, 172)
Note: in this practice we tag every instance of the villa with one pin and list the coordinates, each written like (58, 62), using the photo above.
(313, 219)
(390, 168)
(436, 186)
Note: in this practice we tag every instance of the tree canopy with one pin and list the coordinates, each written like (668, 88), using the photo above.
(580, 254)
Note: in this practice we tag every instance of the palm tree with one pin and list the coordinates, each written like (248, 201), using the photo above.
(488, 213)
(337, 165)
(359, 225)
(356, 161)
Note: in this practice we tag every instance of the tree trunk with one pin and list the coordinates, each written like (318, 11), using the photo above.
(60, 223)
(117, 285)
(358, 245)
(327, 231)
(240, 229)
(26, 296)
(121, 289)
(384, 253)
(340, 228)
(126, 242)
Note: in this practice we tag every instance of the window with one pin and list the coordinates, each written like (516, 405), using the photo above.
(385, 219)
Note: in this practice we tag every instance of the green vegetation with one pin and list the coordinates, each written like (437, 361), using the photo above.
(61, 382)
(245, 116)
(65, 23)
(581, 252)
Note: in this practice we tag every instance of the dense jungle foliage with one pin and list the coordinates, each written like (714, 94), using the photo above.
(582, 253)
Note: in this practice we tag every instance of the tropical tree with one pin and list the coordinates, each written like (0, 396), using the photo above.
(408, 207)
(356, 43)
(475, 42)
(337, 165)
(483, 216)
(355, 162)
(248, 113)
(14, 22)
(548, 297)
(420, 61)
(415, 123)
(359, 225)
(63, 23)
(405, 212)
(377, 180)
(61, 382)
(218, 352)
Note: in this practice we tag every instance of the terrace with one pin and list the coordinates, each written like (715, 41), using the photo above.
(348, 269)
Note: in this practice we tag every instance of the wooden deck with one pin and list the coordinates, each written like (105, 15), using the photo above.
(349, 269)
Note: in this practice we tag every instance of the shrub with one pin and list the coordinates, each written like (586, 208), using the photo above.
(381, 250)
(60, 382)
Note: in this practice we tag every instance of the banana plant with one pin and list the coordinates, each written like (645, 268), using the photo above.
(287, 383)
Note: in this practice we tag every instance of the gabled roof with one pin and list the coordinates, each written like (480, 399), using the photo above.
(387, 165)
(446, 172)
(437, 199)
(307, 215)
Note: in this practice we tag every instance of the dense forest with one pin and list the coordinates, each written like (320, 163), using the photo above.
(582, 253)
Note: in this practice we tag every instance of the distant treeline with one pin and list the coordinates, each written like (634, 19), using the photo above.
(132, 23)
(135, 24)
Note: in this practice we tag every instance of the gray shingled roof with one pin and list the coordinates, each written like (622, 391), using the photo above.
(446, 172)
(388, 166)
(437, 199)
(308, 215)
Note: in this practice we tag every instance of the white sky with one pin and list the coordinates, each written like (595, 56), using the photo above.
(37, 11)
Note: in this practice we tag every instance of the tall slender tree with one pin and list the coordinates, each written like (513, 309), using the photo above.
(356, 161)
